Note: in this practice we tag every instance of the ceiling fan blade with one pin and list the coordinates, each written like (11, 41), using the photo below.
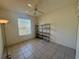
(34, 13)
(40, 12)
(37, 10)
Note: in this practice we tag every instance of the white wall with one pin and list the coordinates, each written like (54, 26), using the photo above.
(77, 44)
(77, 48)
(12, 27)
(1, 44)
(64, 25)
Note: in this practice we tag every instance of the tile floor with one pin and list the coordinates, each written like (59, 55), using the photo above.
(39, 49)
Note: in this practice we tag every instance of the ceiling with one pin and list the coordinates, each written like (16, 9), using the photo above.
(18, 5)
(51, 5)
(44, 5)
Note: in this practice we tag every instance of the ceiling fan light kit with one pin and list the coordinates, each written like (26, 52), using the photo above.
(30, 5)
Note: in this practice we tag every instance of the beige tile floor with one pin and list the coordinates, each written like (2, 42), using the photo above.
(39, 49)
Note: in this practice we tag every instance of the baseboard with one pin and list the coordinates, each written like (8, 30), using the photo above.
(61, 44)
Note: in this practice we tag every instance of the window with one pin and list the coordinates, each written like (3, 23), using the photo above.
(24, 26)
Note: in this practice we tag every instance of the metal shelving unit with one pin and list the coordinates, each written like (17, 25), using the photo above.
(43, 32)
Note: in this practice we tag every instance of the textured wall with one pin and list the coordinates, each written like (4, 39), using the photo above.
(64, 25)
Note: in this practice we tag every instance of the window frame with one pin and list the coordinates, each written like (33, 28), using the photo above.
(30, 26)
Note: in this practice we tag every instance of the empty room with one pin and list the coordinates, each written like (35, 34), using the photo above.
(39, 29)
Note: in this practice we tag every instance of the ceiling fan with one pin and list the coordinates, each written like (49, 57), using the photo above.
(36, 11)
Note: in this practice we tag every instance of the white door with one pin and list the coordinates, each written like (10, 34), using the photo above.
(77, 49)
